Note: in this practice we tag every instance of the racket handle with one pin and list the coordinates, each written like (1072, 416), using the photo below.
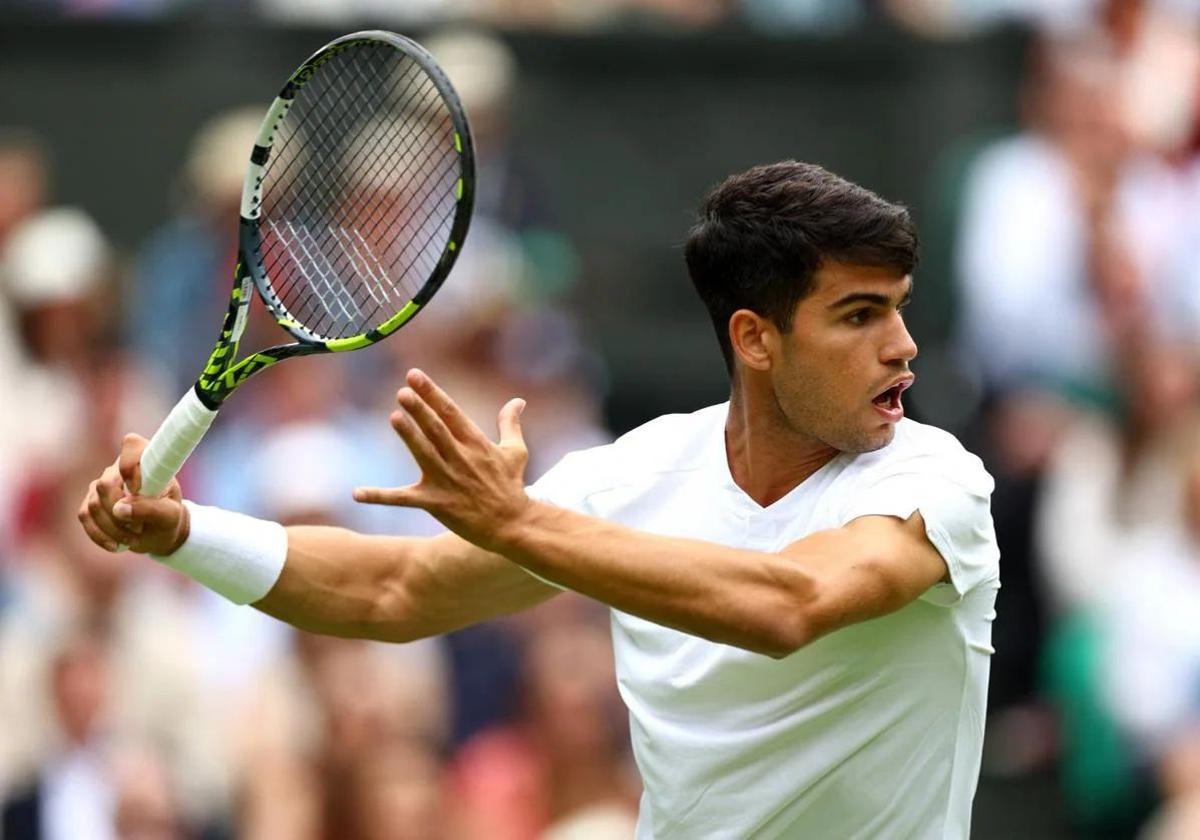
(174, 442)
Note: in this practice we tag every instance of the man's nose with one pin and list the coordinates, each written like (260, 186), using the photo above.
(900, 346)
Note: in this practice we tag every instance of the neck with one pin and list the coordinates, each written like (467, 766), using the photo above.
(767, 457)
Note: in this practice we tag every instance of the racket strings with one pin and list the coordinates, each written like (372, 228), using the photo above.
(359, 193)
(357, 258)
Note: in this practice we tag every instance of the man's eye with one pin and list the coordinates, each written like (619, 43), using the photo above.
(859, 317)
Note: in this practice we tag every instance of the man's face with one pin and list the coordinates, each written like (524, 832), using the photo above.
(848, 346)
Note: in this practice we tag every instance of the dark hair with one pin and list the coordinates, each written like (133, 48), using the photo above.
(762, 234)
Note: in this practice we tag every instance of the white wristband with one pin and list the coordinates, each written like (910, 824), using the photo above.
(232, 554)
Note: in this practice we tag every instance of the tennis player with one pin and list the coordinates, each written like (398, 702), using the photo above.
(802, 580)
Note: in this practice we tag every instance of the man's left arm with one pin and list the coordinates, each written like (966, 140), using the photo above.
(767, 602)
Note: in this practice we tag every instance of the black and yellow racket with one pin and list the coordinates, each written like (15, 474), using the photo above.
(355, 206)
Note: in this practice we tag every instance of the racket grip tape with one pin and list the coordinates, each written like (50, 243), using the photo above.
(174, 442)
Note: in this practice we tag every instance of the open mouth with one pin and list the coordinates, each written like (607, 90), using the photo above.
(889, 402)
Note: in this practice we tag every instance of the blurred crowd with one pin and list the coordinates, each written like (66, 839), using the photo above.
(135, 704)
(1077, 270)
(935, 18)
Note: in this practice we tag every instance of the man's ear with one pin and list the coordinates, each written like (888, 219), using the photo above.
(754, 339)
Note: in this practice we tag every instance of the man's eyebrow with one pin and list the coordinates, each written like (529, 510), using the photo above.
(872, 298)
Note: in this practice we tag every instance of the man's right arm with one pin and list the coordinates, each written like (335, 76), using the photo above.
(333, 581)
(396, 589)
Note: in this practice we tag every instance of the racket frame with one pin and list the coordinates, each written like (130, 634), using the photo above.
(188, 421)
(221, 376)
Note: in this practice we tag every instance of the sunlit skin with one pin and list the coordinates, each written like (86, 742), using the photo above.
(801, 397)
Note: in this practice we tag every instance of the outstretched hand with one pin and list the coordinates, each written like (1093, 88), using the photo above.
(471, 485)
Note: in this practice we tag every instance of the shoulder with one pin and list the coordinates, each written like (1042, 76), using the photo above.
(926, 469)
(919, 449)
(671, 443)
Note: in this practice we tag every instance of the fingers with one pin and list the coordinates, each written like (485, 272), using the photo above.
(456, 421)
(429, 423)
(110, 487)
(423, 452)
(157, 514)
(509, 422)
(397, 496)
(97, 520)
(129, 463)
(98, 536)
(161, 524)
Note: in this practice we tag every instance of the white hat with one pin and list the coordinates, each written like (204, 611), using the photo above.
(303, 468)
(220, 151)
(57, 255)
(480, 66)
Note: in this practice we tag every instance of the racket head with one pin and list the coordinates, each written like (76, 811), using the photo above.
(359, 192)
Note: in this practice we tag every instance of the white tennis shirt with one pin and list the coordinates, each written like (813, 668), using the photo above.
(874, 731)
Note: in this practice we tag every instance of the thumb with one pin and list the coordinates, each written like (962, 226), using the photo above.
(129, 462)
(510, 423)
(409, 496)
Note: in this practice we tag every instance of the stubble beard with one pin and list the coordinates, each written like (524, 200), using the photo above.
(835, 430)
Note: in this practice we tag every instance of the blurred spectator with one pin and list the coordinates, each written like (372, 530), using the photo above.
(1067, 229)
(53, 267)
(1070, 244)
(565, 755)
(945, 18)
(65, 587)
(394, 791)
(72, 794)
(92, 785)
(1113, 489)
(147, 807)
(352, 726)
(349, 728)
(186, 266)
(1152, 667)
(24, 177)
(75, 390)
(1116, 472)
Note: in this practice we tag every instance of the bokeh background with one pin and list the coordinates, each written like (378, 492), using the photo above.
(1048, 151)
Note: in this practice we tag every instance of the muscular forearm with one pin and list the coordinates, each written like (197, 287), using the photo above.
(749, 599)
(396, 589)
(341, 583)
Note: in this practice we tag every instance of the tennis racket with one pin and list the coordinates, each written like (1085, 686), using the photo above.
(356, 203)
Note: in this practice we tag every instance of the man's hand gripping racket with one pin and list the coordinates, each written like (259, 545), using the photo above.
(355, 206)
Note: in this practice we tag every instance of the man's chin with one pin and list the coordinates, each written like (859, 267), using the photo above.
(870, 440)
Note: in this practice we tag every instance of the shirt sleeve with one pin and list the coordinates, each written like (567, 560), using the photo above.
(956, 508)
(563, 485)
